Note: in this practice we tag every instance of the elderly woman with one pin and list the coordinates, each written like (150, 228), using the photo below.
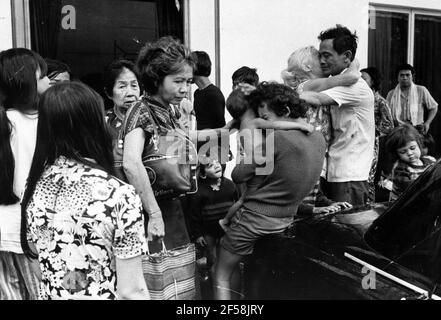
(271, 207)
(305, 74)
(122, 88)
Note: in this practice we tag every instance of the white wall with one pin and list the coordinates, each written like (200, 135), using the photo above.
(202, 30)
(422, 4)
(264, 33)
(5, 25)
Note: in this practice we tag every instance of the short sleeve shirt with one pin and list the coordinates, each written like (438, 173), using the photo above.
(425, 102)
(81, 219)
(352, 147)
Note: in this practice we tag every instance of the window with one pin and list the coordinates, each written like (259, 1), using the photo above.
(398, 36)
(88, 35)
(388, 45)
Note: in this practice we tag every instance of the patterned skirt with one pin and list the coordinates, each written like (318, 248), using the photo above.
(371, 178)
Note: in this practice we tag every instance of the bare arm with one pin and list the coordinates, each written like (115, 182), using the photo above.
(137, 176)
(317, 98)
(430, 116)
(131, 283)
(282, 125)
(348, 78)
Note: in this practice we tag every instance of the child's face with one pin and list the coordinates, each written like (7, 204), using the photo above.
(410, 153)
(213, 170)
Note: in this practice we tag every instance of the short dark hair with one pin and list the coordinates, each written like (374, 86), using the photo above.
(113, 70)
(375, 76)
(237, 104)
(158, 59)
(404, 66)
(55, 67)
(279, 98)
(400, 136)
(343, 39)
(246, 75)
(203, 63)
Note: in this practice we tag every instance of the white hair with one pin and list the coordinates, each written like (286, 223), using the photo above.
(300, 64)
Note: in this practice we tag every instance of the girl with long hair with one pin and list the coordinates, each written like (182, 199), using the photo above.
(86, 225)
(22, 80)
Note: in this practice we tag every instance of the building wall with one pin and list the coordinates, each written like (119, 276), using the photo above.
(421, 4)
(5, 25)
(263, 33)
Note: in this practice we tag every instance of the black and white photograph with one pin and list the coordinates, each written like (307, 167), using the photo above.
(220, 154)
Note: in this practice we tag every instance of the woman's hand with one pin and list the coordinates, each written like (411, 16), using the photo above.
(354, 66)
(155, 227)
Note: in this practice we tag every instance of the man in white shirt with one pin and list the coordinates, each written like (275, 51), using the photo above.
(353, 126)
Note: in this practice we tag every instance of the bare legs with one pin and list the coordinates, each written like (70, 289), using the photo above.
(225, 266)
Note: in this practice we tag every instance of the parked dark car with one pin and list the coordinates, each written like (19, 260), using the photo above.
(325, 256)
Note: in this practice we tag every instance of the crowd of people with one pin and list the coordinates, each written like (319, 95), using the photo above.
(80, 207)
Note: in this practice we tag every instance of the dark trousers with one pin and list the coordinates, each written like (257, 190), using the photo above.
(354, 192)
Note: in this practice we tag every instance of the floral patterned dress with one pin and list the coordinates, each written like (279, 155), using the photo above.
(383, 126)
(81, 218)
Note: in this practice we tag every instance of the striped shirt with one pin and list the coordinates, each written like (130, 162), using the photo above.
(403, 174)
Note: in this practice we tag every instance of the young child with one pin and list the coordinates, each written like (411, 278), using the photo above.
(216, 194)
(404, 143)
(245, 117)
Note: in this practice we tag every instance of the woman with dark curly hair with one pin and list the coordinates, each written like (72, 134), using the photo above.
(165, 70)
(293, 161)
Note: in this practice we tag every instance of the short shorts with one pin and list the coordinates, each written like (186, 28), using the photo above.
(247, 226)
